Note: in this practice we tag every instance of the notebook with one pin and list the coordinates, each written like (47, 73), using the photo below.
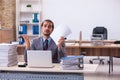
(39, 58)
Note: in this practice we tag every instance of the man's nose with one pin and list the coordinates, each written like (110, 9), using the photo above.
(47, 27)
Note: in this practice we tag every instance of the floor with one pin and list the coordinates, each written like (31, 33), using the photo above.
(101, 72)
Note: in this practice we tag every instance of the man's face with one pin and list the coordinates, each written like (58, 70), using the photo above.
(47, 28)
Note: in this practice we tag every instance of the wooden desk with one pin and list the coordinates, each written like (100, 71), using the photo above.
(25, 73)
(106, 50)
(71, 44)
(110, 50)
(6, 35)
(87, 41)
(20, 49)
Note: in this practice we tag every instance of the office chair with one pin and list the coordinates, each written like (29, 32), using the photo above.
(102, 31)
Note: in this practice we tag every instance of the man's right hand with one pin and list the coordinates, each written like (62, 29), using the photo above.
(27, 42)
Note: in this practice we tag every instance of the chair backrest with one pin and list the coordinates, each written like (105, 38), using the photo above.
(100, 30)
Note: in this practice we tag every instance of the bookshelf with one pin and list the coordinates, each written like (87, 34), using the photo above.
(28, 18)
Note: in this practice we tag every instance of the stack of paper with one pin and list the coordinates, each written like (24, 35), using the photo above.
(60, 31)
(8, 54)
(72, 62)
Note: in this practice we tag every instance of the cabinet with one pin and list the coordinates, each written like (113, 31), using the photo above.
(28, 18)
(6, 35)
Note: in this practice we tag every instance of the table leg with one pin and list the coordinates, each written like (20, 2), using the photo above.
(110, 64)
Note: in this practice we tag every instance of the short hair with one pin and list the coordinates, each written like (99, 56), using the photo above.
(48, 20)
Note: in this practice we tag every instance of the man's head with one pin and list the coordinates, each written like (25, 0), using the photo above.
(47, 27)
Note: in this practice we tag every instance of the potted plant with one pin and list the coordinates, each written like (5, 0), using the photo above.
(29, 6)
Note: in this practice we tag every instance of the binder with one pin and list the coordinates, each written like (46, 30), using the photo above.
(35, 29)
(72, 62)
(21, 40)
(23, 29)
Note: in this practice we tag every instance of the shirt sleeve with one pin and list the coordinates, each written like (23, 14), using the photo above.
(61, 52)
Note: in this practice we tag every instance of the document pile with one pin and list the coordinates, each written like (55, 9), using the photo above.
(97, 40)
(62, 30)
(72, 62)
(8, 54)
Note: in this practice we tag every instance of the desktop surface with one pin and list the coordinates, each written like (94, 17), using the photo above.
(26, 73)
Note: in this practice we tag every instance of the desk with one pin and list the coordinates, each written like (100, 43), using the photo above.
(106, 50)
(25, 73)
(21, 48)
(6, 35)
(87, 41)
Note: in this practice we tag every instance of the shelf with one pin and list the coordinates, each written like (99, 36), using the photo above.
(30, 35)
(34, 35)
(29, 23)
(28, 0)
(31, 12)
(28, 19)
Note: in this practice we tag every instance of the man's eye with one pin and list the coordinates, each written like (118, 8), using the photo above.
(44, 25)
(49, 26)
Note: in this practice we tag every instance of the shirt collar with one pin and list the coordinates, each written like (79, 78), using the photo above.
(49, 39)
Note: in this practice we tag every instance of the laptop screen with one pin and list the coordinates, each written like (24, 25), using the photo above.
(39, 58)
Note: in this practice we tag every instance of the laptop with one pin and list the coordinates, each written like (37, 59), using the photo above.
(39, 58)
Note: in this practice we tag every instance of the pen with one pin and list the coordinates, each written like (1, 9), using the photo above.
(65, 38)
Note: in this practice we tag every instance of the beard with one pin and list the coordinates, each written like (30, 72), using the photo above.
(46, 34)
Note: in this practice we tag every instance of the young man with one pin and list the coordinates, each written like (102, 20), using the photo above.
(39, 43)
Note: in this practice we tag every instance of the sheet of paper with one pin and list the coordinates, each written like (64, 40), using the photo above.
(61, 30)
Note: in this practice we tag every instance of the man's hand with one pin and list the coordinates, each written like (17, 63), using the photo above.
(60, 42)
(27, 42)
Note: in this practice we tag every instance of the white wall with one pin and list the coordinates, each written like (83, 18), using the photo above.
(84, 15)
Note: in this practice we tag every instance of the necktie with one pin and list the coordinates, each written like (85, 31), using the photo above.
(46, 45)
